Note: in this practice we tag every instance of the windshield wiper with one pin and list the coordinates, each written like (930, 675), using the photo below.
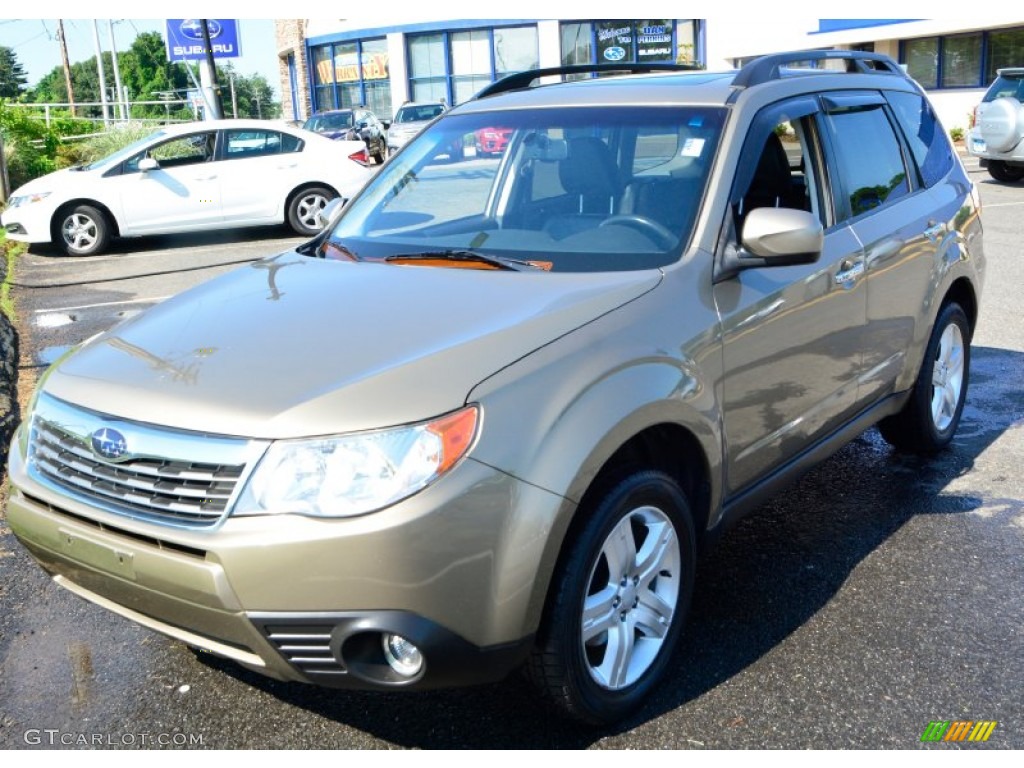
(465, 255)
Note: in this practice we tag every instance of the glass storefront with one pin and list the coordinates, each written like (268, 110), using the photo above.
(352, 74)
(632, 41)
(452, 66)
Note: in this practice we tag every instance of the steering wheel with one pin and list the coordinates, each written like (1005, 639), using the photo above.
(660, 234)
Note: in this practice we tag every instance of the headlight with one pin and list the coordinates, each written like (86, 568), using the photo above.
(33, 197)
(359, 473)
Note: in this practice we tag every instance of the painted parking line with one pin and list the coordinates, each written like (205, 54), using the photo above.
(153, 300)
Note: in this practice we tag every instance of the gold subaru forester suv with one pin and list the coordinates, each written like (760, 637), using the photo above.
(491, 415)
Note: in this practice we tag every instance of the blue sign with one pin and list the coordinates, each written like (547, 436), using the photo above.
(185, 39)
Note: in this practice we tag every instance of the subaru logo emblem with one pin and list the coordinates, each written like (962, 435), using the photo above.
(615, 53)
(193, 28)
(109, 443)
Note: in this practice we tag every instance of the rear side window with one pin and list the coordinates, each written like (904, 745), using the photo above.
(1006, 86)
(869, 160)
(924, 134)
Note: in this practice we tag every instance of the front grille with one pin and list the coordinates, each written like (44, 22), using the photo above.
(177, 478)
(172, 490)
(307, 648)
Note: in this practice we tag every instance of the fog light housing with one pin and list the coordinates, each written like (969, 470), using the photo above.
(402, 655)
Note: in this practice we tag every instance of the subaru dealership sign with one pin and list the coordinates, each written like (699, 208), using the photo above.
(185, 39)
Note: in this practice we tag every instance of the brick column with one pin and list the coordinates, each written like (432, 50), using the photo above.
(290, 37)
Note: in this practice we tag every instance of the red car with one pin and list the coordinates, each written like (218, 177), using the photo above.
(492, 141)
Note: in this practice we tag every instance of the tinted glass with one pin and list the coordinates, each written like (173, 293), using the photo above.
(922, 59)
(961, 60)
(869, 158)
(924, 134)
(1006, 86)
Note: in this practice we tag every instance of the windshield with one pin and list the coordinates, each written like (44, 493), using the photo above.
(419, 113)
(580, 189)
(332, 122)
(128, 151)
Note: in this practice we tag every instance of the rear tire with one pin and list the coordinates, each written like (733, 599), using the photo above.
(619, 600)
(930, 418)
(1000, 171)
(304, 207)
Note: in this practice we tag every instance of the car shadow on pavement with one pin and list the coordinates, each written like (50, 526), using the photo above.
(130, 245)
(766, 579)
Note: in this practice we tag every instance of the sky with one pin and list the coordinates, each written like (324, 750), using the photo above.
(35, 43)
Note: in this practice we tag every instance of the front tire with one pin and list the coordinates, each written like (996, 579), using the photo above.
(83, 231)
(930, 418)
(621, 594)
(304, 207)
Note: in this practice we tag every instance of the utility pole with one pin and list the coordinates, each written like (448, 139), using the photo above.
(67, 64)
(99, 71)
(122, 108)
(234, 98)
(218, 106)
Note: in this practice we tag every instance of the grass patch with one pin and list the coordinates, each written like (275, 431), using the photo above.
(9, 251)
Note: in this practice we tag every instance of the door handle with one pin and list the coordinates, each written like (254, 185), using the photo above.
(849, 271)
(935, 230)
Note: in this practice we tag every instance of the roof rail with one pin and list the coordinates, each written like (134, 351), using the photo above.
(519, 80)
(766, 68)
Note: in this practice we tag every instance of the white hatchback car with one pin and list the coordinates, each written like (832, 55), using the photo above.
(186, 178)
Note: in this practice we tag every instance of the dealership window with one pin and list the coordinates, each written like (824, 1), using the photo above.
(453, 66)
(471, 63)
(634, 41)
(515, 50)
(323, 79)
(1005, 49)
(962, 61)
(352, 74)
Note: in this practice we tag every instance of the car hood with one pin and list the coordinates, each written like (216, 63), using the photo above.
(295, 346)
(56, 181)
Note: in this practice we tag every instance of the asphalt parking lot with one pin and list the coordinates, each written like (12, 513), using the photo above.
(878, 594)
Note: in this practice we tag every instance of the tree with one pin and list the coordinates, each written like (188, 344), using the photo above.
(12, 74)
(254, 94)
(145, 71)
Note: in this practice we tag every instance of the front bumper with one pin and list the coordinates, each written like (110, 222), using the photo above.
(28, 223)
(308, 600)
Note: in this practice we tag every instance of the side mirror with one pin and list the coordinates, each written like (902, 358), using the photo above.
(330, 212)
(773, 237)
(148, 164)
(782, 236)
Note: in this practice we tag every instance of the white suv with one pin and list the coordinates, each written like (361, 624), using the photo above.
(998, 133)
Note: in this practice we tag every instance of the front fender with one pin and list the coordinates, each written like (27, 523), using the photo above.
(555, 418)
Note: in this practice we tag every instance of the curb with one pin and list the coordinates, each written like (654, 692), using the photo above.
(9, 414)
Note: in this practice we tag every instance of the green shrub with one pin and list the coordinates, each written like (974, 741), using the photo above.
(29, 147)
(957, 133)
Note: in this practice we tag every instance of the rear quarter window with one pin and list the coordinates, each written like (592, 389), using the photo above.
(924, 135)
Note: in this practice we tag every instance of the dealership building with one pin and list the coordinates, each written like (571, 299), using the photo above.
(328, 64)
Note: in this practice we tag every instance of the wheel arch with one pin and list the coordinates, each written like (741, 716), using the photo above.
(74, 203)
(299, 189)
(963, 293)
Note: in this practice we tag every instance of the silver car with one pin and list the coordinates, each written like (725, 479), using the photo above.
(997, 135)
(411, 118)
(490, 416)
